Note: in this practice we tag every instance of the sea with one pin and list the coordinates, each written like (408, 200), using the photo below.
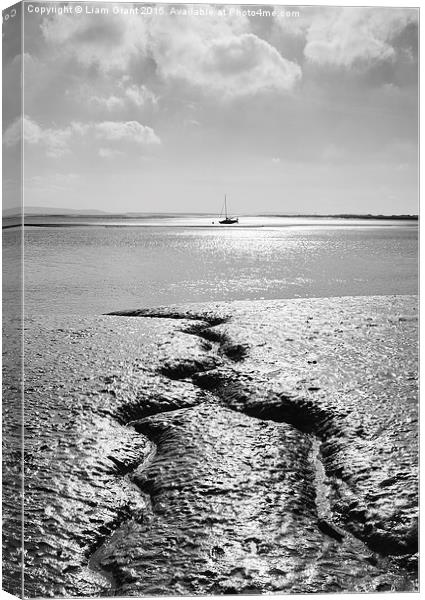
(86, 266)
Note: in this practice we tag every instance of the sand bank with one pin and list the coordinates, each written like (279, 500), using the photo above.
(243, 447)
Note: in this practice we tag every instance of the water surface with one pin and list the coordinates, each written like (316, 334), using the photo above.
(95, 269)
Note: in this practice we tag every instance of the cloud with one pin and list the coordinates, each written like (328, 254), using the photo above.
(80, 128)
(141, 96)
(13, 133)
(130, 131)
(344, 37)
(219, 56)
(113, 96)
(101, 40)
(56, 142)
(296, 26)
(109, 102)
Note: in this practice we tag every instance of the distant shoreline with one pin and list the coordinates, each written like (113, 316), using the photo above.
(102, 220)
(186, 226)
(150, 215)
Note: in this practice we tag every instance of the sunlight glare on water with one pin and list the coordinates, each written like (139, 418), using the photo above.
(92, 270)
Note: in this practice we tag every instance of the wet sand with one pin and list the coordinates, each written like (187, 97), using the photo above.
(242, 447)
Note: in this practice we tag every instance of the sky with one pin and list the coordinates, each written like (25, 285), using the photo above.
(297, 110)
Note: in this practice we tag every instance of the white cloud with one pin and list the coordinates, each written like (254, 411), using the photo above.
(80, 128)
(216, 54)
(124, 97)
(219, 56)
(130, 131)
(109, 42)
(12, 135)
(141, 96)
(348, 36)
(296, 26)
(33, 133)
(56, 142)
(109, 102)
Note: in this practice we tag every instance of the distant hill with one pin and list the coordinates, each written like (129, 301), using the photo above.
(342, 216)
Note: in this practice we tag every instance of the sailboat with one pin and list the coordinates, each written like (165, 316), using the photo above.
(227, 220)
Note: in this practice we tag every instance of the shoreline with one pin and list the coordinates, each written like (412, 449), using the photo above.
(206, 221)
(72, 214)
(201, 425)
(215, 226)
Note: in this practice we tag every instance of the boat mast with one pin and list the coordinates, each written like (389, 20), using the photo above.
(225, 206)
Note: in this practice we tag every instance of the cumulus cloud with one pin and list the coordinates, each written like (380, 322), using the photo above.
(344, 37)
(130, 131)
(295, 26)
(141, 96)
(109, 43)
(219, 56)
(111, 96)
(56, 142)
(110, 103)
(215, 54)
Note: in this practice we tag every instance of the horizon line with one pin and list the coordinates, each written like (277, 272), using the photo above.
(71, 212)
